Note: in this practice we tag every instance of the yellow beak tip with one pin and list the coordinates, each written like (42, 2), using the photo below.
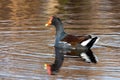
(46, 25)
(45, 66)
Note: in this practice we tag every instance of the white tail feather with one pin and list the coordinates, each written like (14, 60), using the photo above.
(97, 40)
(84, 43)
(84, 56)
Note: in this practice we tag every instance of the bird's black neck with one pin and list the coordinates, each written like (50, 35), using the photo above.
(59, 32)
(59, 28)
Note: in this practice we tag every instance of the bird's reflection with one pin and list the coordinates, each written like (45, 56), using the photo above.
(61, 53)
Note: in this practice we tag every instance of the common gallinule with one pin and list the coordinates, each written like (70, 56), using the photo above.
(64, 43)
(69, 41)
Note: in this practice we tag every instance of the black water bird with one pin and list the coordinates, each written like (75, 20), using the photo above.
(69, 41)
(67, 44)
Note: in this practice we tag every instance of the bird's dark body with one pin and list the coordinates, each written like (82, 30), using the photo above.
(74, 40)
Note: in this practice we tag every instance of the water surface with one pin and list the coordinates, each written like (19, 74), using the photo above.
(26, 44)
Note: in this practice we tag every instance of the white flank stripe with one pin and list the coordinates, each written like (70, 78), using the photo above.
(65, 43)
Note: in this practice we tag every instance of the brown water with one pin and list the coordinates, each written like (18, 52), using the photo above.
(25, 44)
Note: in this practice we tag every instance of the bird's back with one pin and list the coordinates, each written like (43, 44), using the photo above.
(74, 40)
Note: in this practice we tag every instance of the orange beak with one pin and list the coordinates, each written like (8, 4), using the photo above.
(49, 22)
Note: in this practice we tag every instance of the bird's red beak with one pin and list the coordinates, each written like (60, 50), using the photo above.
(49, 22)
(48, 68)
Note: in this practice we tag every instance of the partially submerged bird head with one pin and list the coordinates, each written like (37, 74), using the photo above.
(48, 68)
(51, 70)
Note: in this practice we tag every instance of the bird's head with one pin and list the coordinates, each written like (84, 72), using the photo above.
(53, 20)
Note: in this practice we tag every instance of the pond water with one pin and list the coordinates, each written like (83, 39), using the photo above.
(26, 44)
